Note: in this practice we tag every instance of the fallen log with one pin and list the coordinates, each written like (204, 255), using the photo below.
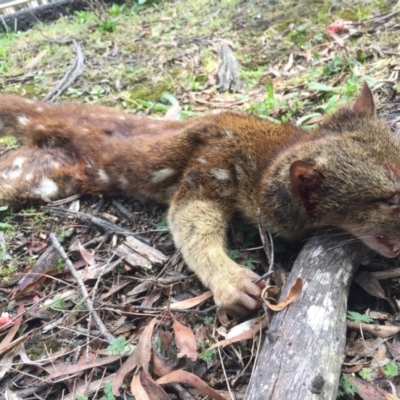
(302, 352)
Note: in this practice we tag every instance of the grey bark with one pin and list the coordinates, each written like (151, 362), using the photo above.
(302, 353)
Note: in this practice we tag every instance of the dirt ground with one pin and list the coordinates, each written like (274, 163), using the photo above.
(297, 61)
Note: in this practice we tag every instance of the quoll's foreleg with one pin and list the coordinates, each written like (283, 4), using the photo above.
(198, 227)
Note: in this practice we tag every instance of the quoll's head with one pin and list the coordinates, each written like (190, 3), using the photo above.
(352, 179)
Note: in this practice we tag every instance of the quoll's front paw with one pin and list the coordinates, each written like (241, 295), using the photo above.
(236, 291)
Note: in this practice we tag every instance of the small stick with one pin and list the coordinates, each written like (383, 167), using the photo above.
(97, 222)
(124, 211)
(182, 393)
(225, 375)
(159, 309)
(82, 287)
(69, 76)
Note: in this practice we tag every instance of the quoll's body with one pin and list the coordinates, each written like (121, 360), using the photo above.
(345, 173)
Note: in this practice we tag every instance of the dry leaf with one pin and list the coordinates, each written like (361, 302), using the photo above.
(185, 340)
(390, 396)
(366, 390)
(44, 266)
(223, 318)
(243, 327)
(14, 329)
(164, 359)
(7, 362)
(90, 387)
(93, 271)
(370, 284)
(187, 378)
(143, 387)
(152, 297)
(141, 287)
(137, 388)
(67, 369)
(87, 255)
(139, 358)
(249, 334)
(293, 294)
(193, 302)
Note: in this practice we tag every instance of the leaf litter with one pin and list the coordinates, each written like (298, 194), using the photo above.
(164, 60)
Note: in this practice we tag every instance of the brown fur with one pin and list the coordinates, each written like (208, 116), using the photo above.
(345, 173)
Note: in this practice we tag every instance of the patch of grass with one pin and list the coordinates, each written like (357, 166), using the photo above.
(391, 369)
(57, 303)
(357, 317)
(346, 387)
(207, 355)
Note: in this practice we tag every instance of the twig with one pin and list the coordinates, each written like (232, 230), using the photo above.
(124, 211)
(70, 75)
(182, 393)
(255, 361)
(94, 291)
(99, 223)
(226, 376)
(382, 18)
(66, 200)
(158, 309)
(82, 287)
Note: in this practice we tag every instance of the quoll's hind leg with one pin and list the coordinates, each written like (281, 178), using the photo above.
(16, 113)
(34, 174)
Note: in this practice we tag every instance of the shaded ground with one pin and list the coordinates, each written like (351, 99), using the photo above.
(143, 60)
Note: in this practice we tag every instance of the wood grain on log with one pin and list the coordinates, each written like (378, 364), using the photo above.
(303, 349)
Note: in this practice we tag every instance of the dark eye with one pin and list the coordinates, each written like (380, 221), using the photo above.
(392, 201)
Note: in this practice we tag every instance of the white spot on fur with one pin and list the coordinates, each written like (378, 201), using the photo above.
(220, 173)
(103, 176)
(202, 160)
(47, 189)
(239, 169)
(39, 109)
(122, 117)
(56, 165)
(161, 175)
(40, 127)
(19, 162)
(14, 171)
(28, 177)
(22, 120)
(123, 181)
(229, 134)
(28, 101)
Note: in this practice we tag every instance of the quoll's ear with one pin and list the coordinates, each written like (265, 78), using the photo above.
(364, 102)
(306, 179)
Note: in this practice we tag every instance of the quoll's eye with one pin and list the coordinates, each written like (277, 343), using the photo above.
(392, 201)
